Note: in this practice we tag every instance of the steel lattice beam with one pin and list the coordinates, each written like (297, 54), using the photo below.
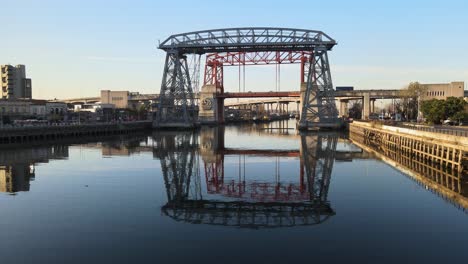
(247, 39)
(216, 61)
(258, 57)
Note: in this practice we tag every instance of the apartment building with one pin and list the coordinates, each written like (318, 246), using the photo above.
(14, 83)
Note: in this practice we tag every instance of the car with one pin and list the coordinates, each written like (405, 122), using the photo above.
(449, 122)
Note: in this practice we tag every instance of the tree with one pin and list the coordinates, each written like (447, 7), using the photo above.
(355, 111)
(434, 110)
(460, 116)
(454, 108)
(410, 98)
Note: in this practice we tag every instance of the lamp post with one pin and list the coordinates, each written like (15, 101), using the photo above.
(419, 109)
(383, 110)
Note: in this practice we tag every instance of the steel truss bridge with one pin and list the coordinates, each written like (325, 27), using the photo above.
(245, 204)
(244, 46)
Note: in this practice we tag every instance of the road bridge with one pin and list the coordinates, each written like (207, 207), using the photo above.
(367, 96)
(82, 100)
(90, 100)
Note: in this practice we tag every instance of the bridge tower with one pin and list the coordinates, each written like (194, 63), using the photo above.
(212, 106)
(176, 99)
(318, 108)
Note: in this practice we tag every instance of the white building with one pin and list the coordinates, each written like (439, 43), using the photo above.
(93, 108)
(55, 108)
(38, 109)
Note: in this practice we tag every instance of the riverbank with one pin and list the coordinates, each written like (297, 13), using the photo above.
(445, 150)
(33, 134)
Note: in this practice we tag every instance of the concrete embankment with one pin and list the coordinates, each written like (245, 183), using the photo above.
(448, 150)
(436, 160)
(428, 136)
(34, 134)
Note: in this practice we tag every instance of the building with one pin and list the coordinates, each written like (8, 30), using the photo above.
(118, 98)
(14, 83)
(93, 108)
(37, 109)
(126, 99)
(56, 108)
(444, 90)
(14, 108)
(11, 110)
(100, 112)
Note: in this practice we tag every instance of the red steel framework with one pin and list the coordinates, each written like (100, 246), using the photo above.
(215, 62)
(253, 190)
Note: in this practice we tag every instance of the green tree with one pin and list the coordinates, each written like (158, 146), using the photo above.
(355, 111)
(434, 110)
(460, 116)
(454, 108)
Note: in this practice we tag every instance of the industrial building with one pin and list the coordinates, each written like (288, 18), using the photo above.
(444, 90)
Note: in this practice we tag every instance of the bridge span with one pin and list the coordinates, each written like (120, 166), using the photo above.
(367, 96)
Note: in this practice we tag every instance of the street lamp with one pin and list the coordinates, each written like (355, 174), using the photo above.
(419, 109)
(382, 104)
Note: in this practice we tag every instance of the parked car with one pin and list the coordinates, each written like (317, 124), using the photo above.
(449, 122)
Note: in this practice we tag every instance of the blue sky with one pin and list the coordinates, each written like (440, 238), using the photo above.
(77, 48)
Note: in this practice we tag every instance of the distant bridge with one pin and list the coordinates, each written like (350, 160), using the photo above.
(90, 100)
(372, 94)
(367, 96)
(281, 97)
(85, 100)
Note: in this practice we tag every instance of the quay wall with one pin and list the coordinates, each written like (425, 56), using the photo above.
(447, 151)
(449, 185)
(25, 135)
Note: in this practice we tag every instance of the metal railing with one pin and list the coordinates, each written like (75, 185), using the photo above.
(70, 125)
(453, 132)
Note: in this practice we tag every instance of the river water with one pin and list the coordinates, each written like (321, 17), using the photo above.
(238, 194)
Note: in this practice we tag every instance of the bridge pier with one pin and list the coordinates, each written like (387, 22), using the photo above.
(343, 107)
(212, 107)
(301, 99)
(365, 106)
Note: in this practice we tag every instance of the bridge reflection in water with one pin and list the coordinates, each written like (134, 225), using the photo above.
(248, 203)
(199, 191)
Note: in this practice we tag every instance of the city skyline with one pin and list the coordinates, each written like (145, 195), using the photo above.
(78, 49)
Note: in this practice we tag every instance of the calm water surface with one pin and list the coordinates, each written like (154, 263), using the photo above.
(234, 195)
